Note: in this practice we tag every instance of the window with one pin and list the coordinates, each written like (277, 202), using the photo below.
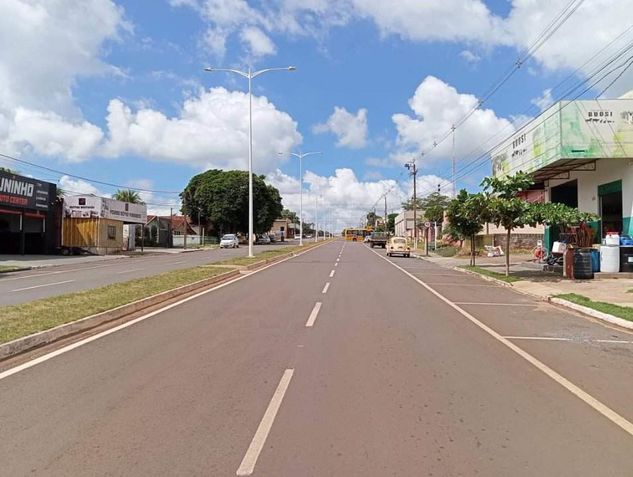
(111, 232)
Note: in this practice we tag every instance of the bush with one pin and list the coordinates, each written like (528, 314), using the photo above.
(446, 251)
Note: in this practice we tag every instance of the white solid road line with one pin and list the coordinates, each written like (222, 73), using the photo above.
(313, 315)
(325, 288)
(575, 340)
(603, 409)
(259, 439)
(129, 271)
(54, 273)
(332, 273)
(41, 286)
(492, 304)
(66, 349)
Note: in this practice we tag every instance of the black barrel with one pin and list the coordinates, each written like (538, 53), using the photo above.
(582, 264)
(626, 258)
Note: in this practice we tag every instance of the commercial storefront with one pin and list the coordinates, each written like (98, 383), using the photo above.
(27, 215)
(95, 224)
(580, 153)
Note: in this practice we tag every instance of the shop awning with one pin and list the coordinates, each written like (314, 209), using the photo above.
(562, 168)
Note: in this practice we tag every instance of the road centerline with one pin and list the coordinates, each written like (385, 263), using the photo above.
(594, 403)
(313, 314)
(259, 439)
(332, 273)
(325, 288)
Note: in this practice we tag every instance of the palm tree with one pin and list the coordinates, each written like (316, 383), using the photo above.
(128, 195)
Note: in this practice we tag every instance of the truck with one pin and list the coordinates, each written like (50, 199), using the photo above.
(378, 239)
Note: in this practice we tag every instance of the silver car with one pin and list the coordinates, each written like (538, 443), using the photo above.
(229, 241)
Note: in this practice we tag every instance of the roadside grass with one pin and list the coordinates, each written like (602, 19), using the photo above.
(11, 268)
(24, 319)
(624, 312)
(490, 273)
(446, 251)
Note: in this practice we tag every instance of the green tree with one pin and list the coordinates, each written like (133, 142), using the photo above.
(391, 223)
(128, 195)
(467, 214)
(7, 170)
(505, 208)
(408, 205)
(371, 219)
(433, 206)
(222, 199)
(290, 215)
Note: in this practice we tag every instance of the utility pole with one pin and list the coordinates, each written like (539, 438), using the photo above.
(453, 164)
(386, 224)
(184, 200)
(413, 170)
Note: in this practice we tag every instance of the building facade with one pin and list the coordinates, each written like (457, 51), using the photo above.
(580, 153)
(27, 215)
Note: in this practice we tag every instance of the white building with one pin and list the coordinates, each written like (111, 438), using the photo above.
(580, 154)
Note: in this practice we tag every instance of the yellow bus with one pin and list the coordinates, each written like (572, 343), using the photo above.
(355, 235)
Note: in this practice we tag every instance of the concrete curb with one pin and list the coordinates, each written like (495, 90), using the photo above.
(485, 277)
(35, 340)
(614, 320)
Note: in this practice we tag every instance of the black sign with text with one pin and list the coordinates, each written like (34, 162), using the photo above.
(24, 192)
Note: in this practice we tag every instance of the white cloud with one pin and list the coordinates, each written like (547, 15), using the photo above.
(469, 56)
(544, 101)
(211, 131)
(343, 199)
(437, 106)
(51, 135)
(72, 186)
(258, 42)
(349, 128)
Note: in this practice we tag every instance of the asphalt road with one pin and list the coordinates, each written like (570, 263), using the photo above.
(399, 371)
(21, 287)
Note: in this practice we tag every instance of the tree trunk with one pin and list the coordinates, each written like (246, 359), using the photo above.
(508, 252)
(472, 250)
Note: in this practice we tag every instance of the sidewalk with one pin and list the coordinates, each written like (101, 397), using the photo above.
(545, 284)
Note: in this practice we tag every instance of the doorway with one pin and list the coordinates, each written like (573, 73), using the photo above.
(611, 207)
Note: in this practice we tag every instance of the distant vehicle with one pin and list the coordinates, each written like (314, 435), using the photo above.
(356, 235)
(378, 239)
(398, 246)
(229, 241)
(263, 239)
(366, 239)
(307, 236)
(272, 237)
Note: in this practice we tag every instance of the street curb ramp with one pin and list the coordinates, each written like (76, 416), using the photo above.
(45, 337)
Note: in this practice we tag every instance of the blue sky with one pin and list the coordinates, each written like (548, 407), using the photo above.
(114, 91)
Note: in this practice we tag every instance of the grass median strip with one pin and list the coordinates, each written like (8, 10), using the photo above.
(624, 312)
(490, 273)
(11, 268)
(21, 320)
(264, 255)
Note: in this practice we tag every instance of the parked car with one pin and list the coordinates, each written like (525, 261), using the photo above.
(229, 241)
(398, 246)
(263, 239)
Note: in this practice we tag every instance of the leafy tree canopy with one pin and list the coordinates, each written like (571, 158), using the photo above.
(222, 199)
(408, 205)
(434, 206)
(290, 215)
(128, 195)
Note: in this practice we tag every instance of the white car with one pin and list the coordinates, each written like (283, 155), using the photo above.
(229, 241)
(398, 246)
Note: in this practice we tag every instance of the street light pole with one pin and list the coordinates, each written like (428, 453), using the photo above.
(250, 75)
(301, 155)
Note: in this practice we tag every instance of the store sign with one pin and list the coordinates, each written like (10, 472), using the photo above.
(94, 207)
(583, 129)
(19, 191)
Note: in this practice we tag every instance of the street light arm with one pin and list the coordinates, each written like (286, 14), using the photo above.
(227, 70)
(266, 70)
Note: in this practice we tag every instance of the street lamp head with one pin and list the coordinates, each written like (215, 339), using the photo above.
(292, 68)
(208, 68)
